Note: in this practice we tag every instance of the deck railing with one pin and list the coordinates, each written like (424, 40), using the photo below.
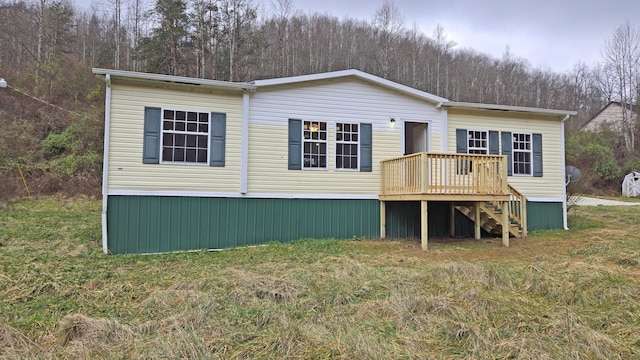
(440, 173)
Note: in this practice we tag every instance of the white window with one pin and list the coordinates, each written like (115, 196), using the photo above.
(522, 152)
(185, 136)
(478, 142)
(314, 151)
(347, 141)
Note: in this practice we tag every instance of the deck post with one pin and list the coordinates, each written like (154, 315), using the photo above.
(424, 172)
(505, 223)
(476, 221)
(424, 224)
(383, 220)
(452, 219)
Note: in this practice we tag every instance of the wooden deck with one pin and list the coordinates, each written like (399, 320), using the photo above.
(476, 185)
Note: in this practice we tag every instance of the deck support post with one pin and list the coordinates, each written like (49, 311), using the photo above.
(477, 234)
(452, 219)
(383, 220)
(505, 223)
(424, 224)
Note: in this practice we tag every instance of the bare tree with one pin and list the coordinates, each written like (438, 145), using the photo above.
(389, 25)
(621, 54)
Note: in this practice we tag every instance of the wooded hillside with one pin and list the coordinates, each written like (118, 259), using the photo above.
(47, 50)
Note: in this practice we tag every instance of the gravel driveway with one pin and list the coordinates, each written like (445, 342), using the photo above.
(587, 201)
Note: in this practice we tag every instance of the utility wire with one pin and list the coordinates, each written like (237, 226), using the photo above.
(45, 102)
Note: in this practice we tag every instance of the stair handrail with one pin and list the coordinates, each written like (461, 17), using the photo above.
(518, 208)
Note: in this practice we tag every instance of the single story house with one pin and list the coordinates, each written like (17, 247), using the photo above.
(203, 164)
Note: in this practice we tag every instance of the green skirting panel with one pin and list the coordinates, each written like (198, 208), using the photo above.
(544, 215)
(153, 224)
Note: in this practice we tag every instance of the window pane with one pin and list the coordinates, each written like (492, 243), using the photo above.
(339, 149)
(167, 125)
(339, 162)
(347, 127)
(204, 117)
(167, 152)
(192, 117)
(354, 149)
(354, 137)
(191, 141)
(180, 139)
(339, 136)
(202, 141)
(192, 127)
(203, 128)
(202, 156)
(323, 135)
(167, 139)
(181, 115)
(191, 155)
(354, 128)
(178, 154)
(168, 114)
(180, 126)
(323, 161)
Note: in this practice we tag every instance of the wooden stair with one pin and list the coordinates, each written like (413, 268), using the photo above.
(491, 214)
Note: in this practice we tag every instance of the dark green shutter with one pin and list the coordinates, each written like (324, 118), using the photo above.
(295, 144)
(151, 140)
(365, 148)
(462, 166)
(537, 155)
(461, 141)
(507, 146)
(218, 134)
(494, 144)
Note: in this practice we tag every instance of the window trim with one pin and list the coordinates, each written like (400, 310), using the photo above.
(336, 142)
(162, 132)
(514, 151)
(304, 140)
(469, 148)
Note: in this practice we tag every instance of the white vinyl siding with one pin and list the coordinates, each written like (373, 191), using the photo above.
(126, 170)
(337, 101)
(551, 185)
(268, 166)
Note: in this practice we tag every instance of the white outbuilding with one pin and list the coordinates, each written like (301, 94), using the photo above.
(631, 185)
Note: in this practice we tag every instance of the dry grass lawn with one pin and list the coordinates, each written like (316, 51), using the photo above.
(554, 295)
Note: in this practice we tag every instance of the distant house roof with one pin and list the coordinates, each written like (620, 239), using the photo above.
(609, 114)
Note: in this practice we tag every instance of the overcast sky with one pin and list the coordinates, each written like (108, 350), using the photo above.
(550, 34)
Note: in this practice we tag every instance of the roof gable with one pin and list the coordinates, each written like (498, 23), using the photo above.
(351, 73)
